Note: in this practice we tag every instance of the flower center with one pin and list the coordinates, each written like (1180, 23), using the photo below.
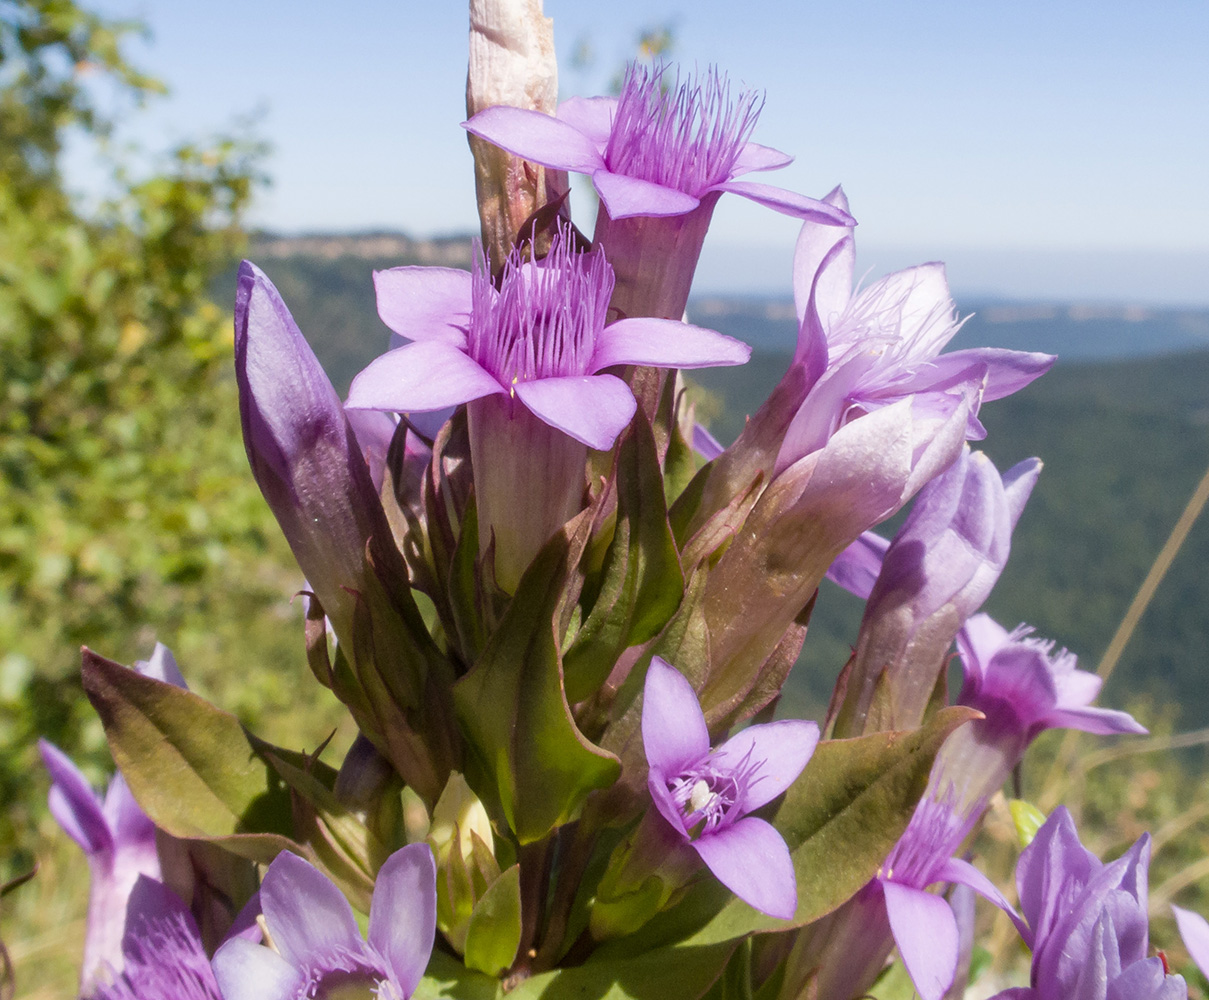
(345, 974)
(705, 796)
(543, 320)
(686, 136)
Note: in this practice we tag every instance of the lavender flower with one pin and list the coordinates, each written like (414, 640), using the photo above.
(319, 949)
(938, 570)
(869, 348)
(162, 951)
(659, 156)
(706, 795)
(1013, 677)
(923, 924)
(656, 150)
(115, 835)
(1087, 922)
(529, 358)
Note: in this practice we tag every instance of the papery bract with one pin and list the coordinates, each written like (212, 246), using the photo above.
(706, 795)
(319, 948)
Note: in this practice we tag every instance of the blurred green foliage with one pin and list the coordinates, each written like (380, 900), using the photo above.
(128, 510)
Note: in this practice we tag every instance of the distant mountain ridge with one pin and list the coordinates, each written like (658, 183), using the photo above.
(1072, 330)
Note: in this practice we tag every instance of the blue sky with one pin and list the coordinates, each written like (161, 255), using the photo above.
(1044, 149)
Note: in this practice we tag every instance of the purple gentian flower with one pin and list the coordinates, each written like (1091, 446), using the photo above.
(655, 150)
(868, 348)
(115, 835)
(530, 358)
(1087, 922)
(1013, 677)
(304, 454)
(706, 795)
(937, 572)
(923, 924)
(319, 948)
(162, 951)
(660, 156)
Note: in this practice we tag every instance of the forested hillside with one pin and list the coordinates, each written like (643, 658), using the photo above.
(1124, 444)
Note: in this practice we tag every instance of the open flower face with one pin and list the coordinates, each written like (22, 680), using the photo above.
(706, 795)
(658, 149)
(530, 359)
(870, 347)
(539, 340)
(320, 951)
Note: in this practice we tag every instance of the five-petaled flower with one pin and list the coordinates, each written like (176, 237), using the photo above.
(706, 795)
(530, 359)
(319, 948)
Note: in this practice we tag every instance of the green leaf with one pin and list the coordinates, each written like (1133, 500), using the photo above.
(495, 925)
(447, 979)
(685, 972)
(642, 583)
(1027, 818)
(513, 710)
(192, 767)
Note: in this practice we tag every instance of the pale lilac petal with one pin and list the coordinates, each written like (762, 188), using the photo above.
(403, 913)
(751, 859)
(777, 752)
(305, 911)
(593, 409)
(425, 303)
(788, 202)
(1147, 980)
(831, 284)
(665, 343)
(125, 816)
(856, 568)
(247, 971)
(73, 803)
(922, 301)
(705, 444)
(753, 157)
(926, 934)
(961, 872)
(374, 431)
(591, 117)
(1018, 483)
(162, 667)
(1007, 371)
(978, 641)
(674, 735)
(668, 809)
(625, 197)
(1194, 929)
(537, 137)
(152, 901)
(1097, 721)
(1054, 856)
(426, 375)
